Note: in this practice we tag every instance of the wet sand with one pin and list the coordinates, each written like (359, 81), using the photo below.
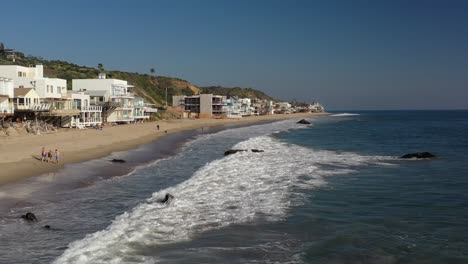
(20, 155)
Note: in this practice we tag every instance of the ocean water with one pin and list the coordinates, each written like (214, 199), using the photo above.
(331, 192)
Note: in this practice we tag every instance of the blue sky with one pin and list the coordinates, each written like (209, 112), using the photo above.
(345, 54)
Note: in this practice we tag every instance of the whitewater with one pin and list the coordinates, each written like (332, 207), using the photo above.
(230, 190)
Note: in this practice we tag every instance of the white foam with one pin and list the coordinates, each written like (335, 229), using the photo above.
(346, 114)
(235, 189)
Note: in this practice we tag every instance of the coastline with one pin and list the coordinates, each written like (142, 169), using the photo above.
(20, 156)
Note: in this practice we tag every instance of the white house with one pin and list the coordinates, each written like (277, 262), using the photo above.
(89, 115)
(33, 77)
(246, 106)
(27, 99)
(112, 94)
(6, 96)
(139, 109)
(233, 107)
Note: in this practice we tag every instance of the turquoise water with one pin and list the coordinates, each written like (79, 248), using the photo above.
(332, 192)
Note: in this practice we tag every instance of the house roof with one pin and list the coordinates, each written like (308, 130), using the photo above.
(20, 92)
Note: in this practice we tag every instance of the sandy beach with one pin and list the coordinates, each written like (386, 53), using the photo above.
(20, 155)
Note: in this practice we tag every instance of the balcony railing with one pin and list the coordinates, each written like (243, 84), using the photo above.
(91, 108)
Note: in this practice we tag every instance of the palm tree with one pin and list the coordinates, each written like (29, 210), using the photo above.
(100, 67)
(152, 71)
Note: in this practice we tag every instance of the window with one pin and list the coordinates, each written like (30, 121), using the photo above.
(51, 89)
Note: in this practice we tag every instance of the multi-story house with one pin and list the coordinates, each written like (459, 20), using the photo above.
(112, 94)
(203, 105)
(54, 106)
(6, 97)
(139, 113)
(89, 115)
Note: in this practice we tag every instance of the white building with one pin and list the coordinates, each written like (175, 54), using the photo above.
(139, 112)
(283, 108)
(233, 107)
(112, 94)
(89, 115)
(26, 99)
(33, 77)
(6, 96)
(246, 107)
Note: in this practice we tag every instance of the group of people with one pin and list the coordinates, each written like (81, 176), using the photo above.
(46, 156)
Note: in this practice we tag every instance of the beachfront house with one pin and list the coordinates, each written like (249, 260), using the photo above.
(139, 109)
(246, 106)
(53, 106)
(89, 115)
(283, 108)
(112, 94)
(6, 97)
(233, 107)
(202, 105)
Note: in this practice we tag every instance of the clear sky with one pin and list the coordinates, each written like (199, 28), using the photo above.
(346, 54)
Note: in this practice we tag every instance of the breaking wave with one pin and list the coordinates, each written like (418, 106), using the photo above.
(235, 189)
(346, 114)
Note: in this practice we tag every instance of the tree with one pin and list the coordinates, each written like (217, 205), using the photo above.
(100, 67)
(152, 71)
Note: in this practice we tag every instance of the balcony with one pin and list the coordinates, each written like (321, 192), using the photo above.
(91, 108)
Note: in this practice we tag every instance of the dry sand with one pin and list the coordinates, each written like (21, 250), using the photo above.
(20, 155)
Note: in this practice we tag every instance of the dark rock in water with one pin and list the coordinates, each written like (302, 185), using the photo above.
(30, 217)
(418, 155)
(47, 226)
(304, 122)
(233, 151)
(118, 160)
(168, 198)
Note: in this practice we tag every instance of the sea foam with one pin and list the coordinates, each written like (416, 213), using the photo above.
(346, 114)
(231, 190)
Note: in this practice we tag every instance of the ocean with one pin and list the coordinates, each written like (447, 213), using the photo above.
(334, 191)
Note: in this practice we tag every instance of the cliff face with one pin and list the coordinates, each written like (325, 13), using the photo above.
(151, 88)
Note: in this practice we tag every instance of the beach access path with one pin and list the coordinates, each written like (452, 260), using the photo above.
(20, 155)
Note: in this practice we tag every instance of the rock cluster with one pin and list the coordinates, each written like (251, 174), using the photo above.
(12, 129)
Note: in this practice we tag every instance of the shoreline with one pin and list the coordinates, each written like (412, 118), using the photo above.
(20, 156)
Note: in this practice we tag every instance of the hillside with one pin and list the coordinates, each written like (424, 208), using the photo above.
(237, 91)
(152, 88)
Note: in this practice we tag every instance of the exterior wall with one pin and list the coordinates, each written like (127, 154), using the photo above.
(15, 71)
(51, 88)
(178, 100)
(6, 87)
(6, 93)
(206, 105)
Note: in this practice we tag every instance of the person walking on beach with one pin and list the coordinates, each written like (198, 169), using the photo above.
(43, 154)
(49, 156)
(57, 156)
(157, 126)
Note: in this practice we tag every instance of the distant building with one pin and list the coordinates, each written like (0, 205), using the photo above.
(8, 53)
(203, 105)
